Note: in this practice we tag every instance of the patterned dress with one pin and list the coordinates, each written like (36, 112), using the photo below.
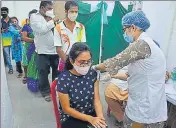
(29, 60)
(16, 44)
(80, 90)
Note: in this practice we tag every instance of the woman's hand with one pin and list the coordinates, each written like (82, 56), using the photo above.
(97, 122)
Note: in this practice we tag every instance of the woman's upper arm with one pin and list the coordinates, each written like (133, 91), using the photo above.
(64, 100)
(136, 51)
(96, 92)
(62, 89)
(24, 34)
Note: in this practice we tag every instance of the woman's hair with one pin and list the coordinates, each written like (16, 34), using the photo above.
(31, 12)
(14, 18)
(70, 4)
(75, 51)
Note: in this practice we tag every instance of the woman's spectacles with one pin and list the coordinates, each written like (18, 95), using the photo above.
(124, 29)
(84, 63)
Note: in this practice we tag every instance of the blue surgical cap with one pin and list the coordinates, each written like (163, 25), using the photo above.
(136, 18)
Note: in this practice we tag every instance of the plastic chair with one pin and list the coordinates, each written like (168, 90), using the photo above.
(54, 100)
(108, 111)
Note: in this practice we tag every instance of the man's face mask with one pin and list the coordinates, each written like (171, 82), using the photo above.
(50, 13)
(72, 16)
(73, 13)
(4, 14)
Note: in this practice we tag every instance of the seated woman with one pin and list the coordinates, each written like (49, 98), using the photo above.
(78, 91)
(116, 95)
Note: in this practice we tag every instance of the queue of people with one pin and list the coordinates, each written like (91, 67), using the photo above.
(138, 98)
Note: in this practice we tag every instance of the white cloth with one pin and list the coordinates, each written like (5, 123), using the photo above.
(122, 84)
(43, 34)
(146, 86)
(73, 37)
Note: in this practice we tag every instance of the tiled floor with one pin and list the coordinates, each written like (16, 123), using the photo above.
(31, 111)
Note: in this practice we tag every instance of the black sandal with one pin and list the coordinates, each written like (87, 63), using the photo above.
(20, 75)
(47, 98)
(10, 71)
(24, 80)
(119, 124)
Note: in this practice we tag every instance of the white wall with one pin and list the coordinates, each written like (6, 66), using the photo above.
(158, 14)
(20, 9)
(162, 16)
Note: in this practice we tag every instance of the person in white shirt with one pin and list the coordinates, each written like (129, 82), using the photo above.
(42, 24)
(68, 31)
(116, 95)
(146, 69)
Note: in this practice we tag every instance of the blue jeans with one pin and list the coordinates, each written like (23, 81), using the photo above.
(6, 51)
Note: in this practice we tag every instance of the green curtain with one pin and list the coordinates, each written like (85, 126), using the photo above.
(130, 8)
(84, 8)
(113, 41)
(92, 23)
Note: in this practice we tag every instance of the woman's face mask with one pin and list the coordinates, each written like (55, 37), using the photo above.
(128, 37)
(82, 66)
(81, 70)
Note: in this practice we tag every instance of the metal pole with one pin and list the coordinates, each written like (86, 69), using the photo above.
(101, 36)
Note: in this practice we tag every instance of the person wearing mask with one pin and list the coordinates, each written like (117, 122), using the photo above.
(17, 45)
(42, 24)
(6, 38)
(29, 55)
(78, 90)
(68, 32)
(146, 73)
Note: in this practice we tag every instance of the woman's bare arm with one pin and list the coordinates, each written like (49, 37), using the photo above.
(65, 103)
(26, 39)
(97, 102)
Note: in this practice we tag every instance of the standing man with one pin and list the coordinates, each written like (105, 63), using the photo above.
(68, 31)
(6, 37)
(42, 24)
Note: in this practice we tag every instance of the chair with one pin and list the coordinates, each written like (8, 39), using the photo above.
(108, 111)
(54, 100)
